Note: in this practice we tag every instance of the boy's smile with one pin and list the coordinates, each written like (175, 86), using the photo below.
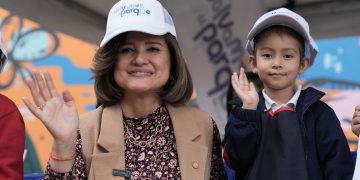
(277, 75)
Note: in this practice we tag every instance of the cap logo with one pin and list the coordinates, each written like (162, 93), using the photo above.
(137, 9)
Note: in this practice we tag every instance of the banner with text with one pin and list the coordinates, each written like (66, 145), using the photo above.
(212, 35)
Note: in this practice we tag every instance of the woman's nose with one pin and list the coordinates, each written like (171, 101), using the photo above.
(140, 59)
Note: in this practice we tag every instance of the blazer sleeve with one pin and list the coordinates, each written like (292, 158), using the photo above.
(12, 142)
(333, 150)
(242, 137)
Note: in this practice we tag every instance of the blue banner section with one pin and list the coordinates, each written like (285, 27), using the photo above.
(337, 65)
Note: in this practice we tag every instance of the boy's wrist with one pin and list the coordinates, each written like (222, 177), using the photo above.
(249, 106)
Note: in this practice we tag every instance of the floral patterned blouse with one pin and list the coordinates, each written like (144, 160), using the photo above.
(150, 151)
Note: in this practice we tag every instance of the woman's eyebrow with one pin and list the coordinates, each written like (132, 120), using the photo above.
(153, 43)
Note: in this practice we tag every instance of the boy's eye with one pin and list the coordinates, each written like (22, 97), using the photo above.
(288, 56)
(266, 55)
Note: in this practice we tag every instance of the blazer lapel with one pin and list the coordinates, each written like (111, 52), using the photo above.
(111, 139)
(192, 156)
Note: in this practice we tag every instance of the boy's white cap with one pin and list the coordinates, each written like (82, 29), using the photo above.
(284, 17)
(3, 56)
(147, 16)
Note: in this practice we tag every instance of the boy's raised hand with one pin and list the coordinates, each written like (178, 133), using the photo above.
(355, 124)
(57, 112)
(245, 91)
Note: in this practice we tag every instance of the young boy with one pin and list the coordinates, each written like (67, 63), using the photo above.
(283, 132)
(12, 134)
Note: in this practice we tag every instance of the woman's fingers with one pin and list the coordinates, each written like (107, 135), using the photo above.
(42, 86)
(35, 110)
(39, 100)
(50, 84)
(68, 98)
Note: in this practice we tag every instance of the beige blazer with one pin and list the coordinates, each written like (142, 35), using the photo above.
(102, 133)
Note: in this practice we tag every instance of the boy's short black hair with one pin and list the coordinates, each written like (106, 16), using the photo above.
(280, 30)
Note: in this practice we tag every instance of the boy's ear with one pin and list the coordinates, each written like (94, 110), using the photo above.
(253, 65)
(304, 65)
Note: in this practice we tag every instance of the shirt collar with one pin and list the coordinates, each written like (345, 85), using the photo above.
(269, 103)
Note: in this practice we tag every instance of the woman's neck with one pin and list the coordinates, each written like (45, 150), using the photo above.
(139, 106)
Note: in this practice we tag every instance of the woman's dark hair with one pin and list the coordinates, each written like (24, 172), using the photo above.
(176, 91)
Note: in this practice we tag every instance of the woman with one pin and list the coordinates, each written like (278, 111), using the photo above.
(141, 127)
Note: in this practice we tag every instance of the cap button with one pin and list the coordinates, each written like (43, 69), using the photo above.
(195, 165)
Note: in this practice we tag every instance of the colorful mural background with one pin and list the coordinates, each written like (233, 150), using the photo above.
(33, 48)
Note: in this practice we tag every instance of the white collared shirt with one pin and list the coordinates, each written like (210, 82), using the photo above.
(269, 103)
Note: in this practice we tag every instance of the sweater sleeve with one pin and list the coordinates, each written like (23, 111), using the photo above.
(77, 171)
(333, 150)
(12, 142)
(242, 137)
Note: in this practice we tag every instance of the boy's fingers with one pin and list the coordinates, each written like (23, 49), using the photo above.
(242, 77)
(245, 79)
(357, 108)
(252, 86)
(235, 80)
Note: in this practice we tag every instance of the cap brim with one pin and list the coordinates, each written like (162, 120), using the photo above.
(139, 28)
(282, 20)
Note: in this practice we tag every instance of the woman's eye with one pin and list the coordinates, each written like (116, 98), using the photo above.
(153, 49)
(126, 50)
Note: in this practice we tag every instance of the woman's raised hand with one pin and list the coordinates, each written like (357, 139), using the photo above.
(245, 90)
(57, 112)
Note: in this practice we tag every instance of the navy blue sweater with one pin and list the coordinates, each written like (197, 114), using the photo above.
(326, 149)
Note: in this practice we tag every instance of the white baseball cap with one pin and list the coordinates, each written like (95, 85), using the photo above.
(283, 17)
(3, 56)
(147, 16)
